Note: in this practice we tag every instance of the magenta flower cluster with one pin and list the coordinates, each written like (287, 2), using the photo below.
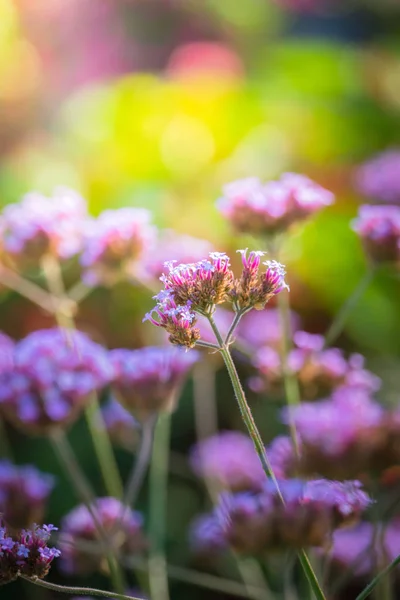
(26, 553)
(52, 375)
(24, 491)
(379, 177)
(269, 208)
(379, 230)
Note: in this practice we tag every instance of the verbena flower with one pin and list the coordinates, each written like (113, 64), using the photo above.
(255, 289)
(257, 522)
(115, 243)
(265, 209)
(366, 546)
(148, 380)
(346, 436)
(7, 346)
(260, 328)
(54, 371)
(319, 372)
(229, 461)
(26, 553)
(174, 246)
(178, 321)
(24, 492)
(78, 528)
(206, 536)
(281, 456)
(38, 225)
(122, 427)
(379, 230)
(379, 177)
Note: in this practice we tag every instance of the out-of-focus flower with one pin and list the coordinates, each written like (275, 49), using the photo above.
(379, 177)
(178, 321)
(319, 372)
(366, 546)
(229, 461)
(206, 536)
(174, 246)
(7, 346)
(281, 456)
(201, 285)
(261, 328)
(23, 494)
(38, 225)
(254, 289)
(79, 526)
(54, 371)
(122, 427)
(379, 230)
(257, 522)
(211, 59)
(148, 380)
(26, 553)
(115, 243)
(266, 209)
(346, 436)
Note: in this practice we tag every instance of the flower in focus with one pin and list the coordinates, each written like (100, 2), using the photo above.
(122, 427)
(78, 526)
(229, 461)
(114, 244)
(267, 209)
(379, 230)
(174, 246)
(254, 289)
(148, 380)
(257, 522)
(39, 225)
(26, 553)
(178, 321)
(379, 177)
(54, 371)
(24, 491)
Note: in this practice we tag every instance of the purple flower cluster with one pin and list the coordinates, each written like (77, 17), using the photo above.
(257, 522)
(379, 230)
(148, 380)
(359, 546)
(122, 427)
(319, 371)
(7, 346)
(265, 209)
(26, 553)
(51, 377)
(115, 243)
(23, 494)
(379, 177)
(38, 225)
(229, 461)
(78, 527)
(263, 328)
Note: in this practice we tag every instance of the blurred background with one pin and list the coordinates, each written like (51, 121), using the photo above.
(158, 103)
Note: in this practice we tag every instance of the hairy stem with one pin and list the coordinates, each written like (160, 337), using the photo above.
(84, 491)
(349, 305)
(80, 591)
(158, 577)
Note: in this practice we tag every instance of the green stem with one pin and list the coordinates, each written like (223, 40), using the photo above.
(78, 591)
(370, 587)
(349, 305)
(233, 326)
(84, 491)
(248, 419)
(157, 510)
(291, 383)
(103, 449)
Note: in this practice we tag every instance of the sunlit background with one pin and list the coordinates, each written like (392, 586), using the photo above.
(158, 104)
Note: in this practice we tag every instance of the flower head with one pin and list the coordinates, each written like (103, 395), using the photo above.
(26, 553)
(79, 526)
(179, 321)
(379, 177)
(39, 225)
(114, 243)
(147, 380)
(265, 209)
(54, 371)
(23, 494)
(229, 460)
(254, 289)
(206, 536)
(258, 522)
(379, 230)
